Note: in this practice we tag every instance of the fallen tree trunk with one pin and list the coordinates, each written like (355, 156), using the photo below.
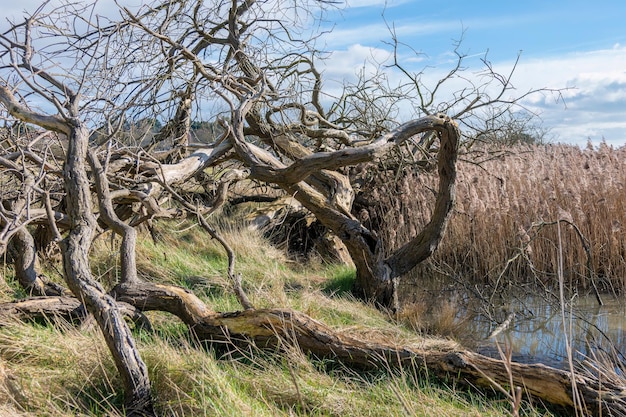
(65, 308)
(271, 328)
(276, 328)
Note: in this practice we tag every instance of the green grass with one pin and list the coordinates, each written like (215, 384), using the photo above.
(66, 371)
(340, 281)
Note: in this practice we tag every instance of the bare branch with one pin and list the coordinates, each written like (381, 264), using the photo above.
(21, 112)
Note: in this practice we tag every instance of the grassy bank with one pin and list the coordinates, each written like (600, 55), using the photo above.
(62, 370)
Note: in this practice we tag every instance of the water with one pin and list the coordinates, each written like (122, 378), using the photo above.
(539, 333)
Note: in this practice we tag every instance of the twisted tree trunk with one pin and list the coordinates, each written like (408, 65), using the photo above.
(328, 197)
(377, 276)
(75, 248)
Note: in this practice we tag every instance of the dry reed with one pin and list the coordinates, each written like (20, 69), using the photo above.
(508, 202)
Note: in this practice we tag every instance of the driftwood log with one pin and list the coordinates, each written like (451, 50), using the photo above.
(273, 328)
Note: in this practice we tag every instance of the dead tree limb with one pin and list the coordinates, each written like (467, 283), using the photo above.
(75, 246)
(26, 272)
(128, 233)
(63, 307)
(276, 328)
(75, 249)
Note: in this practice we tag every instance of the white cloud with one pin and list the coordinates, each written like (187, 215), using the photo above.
(595, 103)
(591, 104)
(345, 66)
(348, 62)
(377, 33)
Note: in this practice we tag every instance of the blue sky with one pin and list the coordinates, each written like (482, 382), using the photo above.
(539, 28)
(579, 45)
(576, 44)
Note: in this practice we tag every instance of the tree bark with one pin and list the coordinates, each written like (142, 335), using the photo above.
(75, 249)
(128, 233)
(272, 328)
(26, 263)
(376, 276)
(26, 267)
(65, 307)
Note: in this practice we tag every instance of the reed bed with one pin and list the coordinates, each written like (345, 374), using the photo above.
(509, 200)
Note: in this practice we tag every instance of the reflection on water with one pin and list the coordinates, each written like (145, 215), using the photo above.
(537, 333)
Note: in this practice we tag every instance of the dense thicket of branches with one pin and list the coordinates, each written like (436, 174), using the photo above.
(72, 84)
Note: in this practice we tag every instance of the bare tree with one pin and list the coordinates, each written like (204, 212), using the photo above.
(72, 82)
(259, 74)
(33, 76)
(282, 129)
(275, 124)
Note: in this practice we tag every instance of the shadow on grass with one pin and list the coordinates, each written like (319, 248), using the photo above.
(98, 396)
(341, 282)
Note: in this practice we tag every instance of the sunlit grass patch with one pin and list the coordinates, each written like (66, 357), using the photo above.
(59, 371)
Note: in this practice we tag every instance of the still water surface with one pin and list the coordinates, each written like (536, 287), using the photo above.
(537, 332)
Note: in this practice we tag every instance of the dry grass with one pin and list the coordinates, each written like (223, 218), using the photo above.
(500, 233)
(189, 381)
